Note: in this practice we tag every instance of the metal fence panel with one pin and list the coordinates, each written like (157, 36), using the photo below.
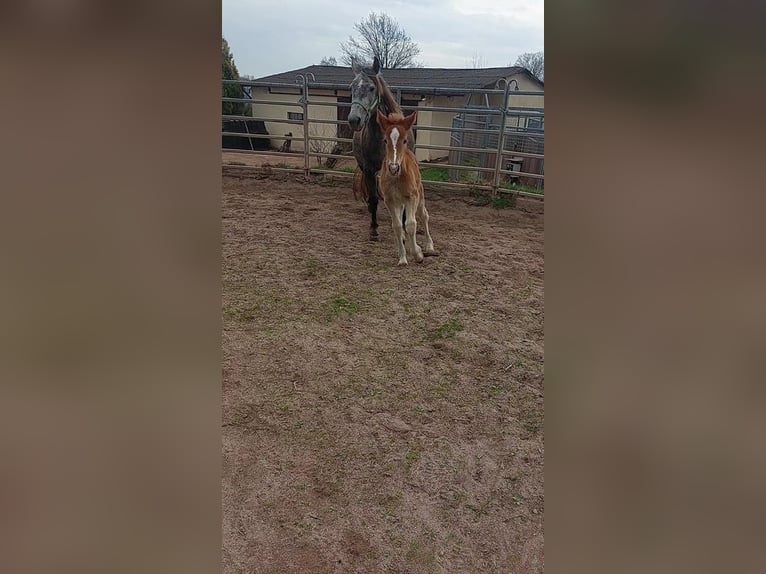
(490, 147)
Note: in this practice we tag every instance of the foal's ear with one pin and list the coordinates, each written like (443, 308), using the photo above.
(376, 65)
(382, 120)
(409, 120)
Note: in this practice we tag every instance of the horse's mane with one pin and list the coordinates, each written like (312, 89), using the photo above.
(387, 100)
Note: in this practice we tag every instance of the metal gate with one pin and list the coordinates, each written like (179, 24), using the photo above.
(498, 149)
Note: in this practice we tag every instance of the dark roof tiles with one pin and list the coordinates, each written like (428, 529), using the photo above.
(408, 77)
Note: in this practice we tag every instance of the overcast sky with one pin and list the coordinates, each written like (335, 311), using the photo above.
(272, 36)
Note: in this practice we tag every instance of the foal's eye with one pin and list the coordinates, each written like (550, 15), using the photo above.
(371, 89)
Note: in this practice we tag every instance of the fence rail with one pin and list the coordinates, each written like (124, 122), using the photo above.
(498, 148)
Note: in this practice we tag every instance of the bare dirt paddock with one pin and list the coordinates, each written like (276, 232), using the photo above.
(380, 419)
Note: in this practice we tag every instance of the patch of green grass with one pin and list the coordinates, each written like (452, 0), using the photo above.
(243, 314)
(446, 330)
(515, 363)
(533, 424)
(412, 456)
(341, 305)
(503, 201)
(481, 199)
(495, 390)
(313, 267)
(470, 176)
(441, 389)
(456, 355)
(250, 305)
(372, 392)
(387, 514)
(456, 499)
(521, 187)
(434, 173)
(498, 202)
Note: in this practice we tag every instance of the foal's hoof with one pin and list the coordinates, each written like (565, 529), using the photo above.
(373, 235)
(432, 253)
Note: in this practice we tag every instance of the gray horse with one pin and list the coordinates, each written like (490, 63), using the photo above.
(369, 93)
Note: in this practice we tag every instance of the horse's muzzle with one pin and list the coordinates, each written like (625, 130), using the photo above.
(394, 168)
(355, 122)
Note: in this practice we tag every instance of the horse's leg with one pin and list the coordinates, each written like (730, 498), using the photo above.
(423, 216)
(372, 203)
(404, 219)
(396, 223)
(411, 227)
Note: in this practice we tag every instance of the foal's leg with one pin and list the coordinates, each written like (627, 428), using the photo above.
(411, 227)
(396, 224)
(423, 216)
(372, 203)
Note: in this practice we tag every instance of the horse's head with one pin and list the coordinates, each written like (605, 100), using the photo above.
(364, 94)
(395, 128)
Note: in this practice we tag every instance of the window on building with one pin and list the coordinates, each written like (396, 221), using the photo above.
(535, 124)
(295, 116)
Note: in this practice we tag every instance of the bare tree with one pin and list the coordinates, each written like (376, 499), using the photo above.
(321, 146)
(381, 36)
(534, 62)
(331, 61)
(478, 60)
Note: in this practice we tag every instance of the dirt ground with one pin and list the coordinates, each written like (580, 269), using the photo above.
(379, 419)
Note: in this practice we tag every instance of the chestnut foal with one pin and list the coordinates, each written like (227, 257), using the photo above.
(401, 187)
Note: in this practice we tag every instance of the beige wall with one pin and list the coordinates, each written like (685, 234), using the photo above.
(436, 119)
(285, 96)
(425, 118)
(525, 84)
(322, 130)
(277, 129)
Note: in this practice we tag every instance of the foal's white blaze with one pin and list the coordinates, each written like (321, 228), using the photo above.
(394, 139)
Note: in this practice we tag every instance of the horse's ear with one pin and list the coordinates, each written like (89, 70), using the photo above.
(376, 65)
(382, 120)
(409, 120)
